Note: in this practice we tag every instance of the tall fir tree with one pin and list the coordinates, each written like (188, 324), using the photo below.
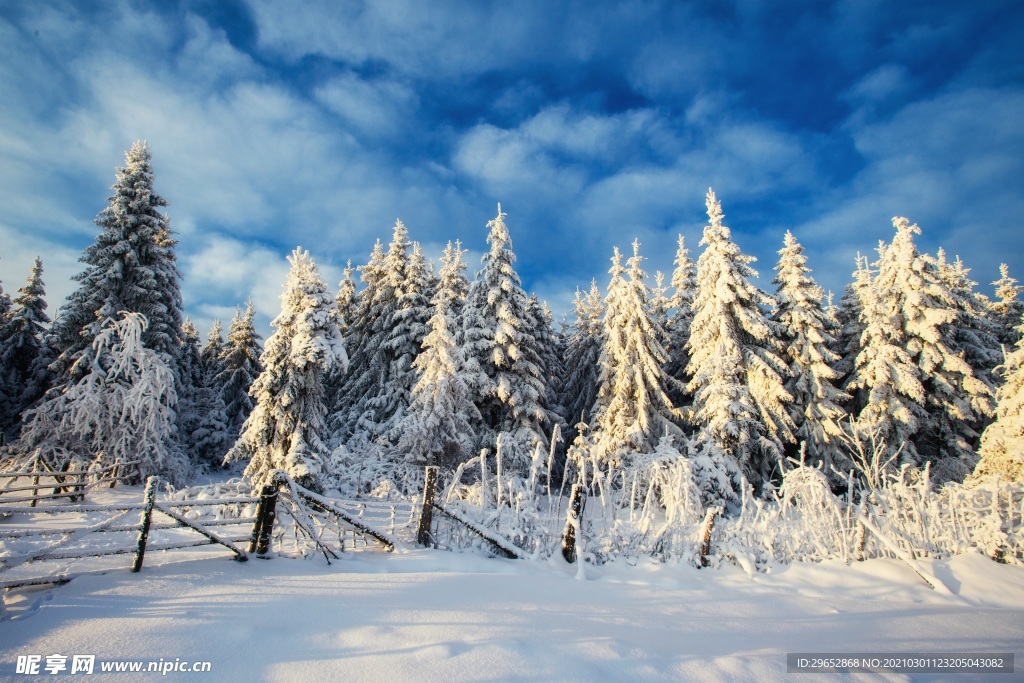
(1002, 444)
(634, 411)
(505, 384)
(582, 370)
(214, 350)
(401, 333)
(851, 328)
(808, 338)
(241, 367)
(349, 415)
(973, 333)
(684, 288)
(1008, 309)
(287, 430)
(437, 429)
(131, 267)
(202, 419)
(923, 394)
(21, 346)
(737, 375)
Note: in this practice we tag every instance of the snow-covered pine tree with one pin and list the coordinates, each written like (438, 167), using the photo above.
(505, 386)
(122, 409)
(348, 407)
(202, 419)
(453, 285)
(214, 351)
(437, 427)
(131, 267)
(634, 411)
(21, 345)
(1002, 444)
(851, 329)
(1008, 309)
(684, 288)
(974, 334)
(885, 373)
(660, 303)
(541, 348)
(737, 377)
(807, 334)
(241, 367)
(287, 429)
(401, 333)
(932, 404)
(346, 298)
(5, 304)
(582, 369)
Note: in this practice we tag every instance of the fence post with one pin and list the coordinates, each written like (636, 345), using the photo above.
(265, 521)
(261, 512)
(572, 523)
(427, 513)
(147, 517)
(705, 534)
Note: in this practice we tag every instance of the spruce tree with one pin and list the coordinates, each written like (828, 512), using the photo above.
(634, 411)
(349, 415)
(851, 328)
(1008, 309)
(1002, 444)
(287, 430)
(203, 421)
(737, 376)
(437, 427)
(214, 351)
(241, 367)
(401, 332)
(581, 369)
(346, 298)
(807, 334)
(926, 395)
(506, 386)
(684, 288)
(131, 267)
(21, 346)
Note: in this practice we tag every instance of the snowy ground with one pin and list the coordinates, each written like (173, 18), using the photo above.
(426, 615)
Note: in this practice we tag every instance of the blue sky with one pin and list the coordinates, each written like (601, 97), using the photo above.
(318, 124)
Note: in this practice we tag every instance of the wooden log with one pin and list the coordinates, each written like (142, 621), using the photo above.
(213, 538)
(427, 512)
(572, 523)
(147, 518)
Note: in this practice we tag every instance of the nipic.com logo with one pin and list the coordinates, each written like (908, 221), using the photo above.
(35, 665)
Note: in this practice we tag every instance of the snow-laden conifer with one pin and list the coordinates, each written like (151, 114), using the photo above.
(346, 298)
(400, 333)
(582, 369)
(1002, 444)
(214, 351)
(131, 267)
(241, 367)
(437, 428)
(807, 334)
(287, 428)
(1008, 309)
(851, 329)
(634, 411)
(202, 419)
(684, 288)
(121, 409)
(973, 333)
(922, 391)
(505, 386)
(21, 344)
(737, 376)
(348, 407)
(453, 285)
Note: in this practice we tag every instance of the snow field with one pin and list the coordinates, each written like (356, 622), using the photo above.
(426, 615)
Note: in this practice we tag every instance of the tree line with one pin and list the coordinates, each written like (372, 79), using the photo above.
(420, 363)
